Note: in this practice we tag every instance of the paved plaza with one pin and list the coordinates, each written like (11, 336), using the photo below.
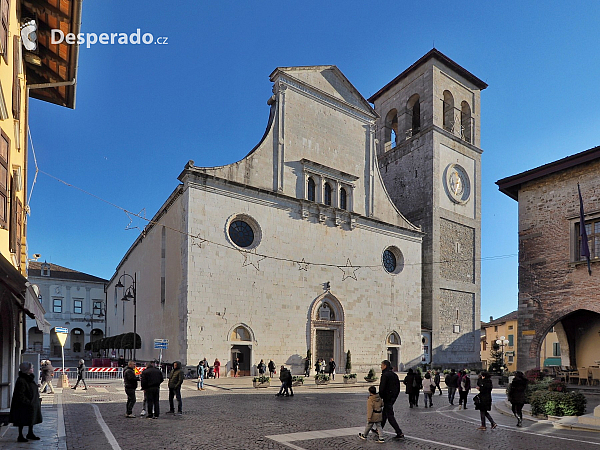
(230, 414)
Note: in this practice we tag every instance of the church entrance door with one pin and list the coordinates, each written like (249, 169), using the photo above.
(242, 352)
(393, 357)
(325, 344)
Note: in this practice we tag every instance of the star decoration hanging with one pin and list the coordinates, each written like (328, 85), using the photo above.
(198, 241)
(139, 215)
(302, 265)
(251, 259)
(349, 270)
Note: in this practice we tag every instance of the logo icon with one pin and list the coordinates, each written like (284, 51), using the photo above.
(29, 35)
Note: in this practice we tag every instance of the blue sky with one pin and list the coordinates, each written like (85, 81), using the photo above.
(143, 111)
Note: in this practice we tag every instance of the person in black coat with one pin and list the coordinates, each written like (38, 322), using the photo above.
(485, 404)
(516, 395)
(151, 379)
(81, 375)
(409, 381)
(389, 389)
(25, 408)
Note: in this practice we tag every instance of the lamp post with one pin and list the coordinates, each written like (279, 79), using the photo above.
(89, 318)
(130, 294)
(502, 341)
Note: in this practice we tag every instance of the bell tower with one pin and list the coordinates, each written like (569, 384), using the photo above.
(429, 156)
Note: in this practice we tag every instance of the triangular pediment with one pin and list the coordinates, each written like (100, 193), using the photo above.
(327, 79)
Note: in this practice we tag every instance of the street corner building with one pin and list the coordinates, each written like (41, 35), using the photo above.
(558, 286)
(303, 245)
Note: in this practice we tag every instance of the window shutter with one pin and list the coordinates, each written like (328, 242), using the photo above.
(16, 96)
(5, 5)
(12, 228)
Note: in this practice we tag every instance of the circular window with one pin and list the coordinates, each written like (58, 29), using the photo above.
(241, 233)
(389, 261)
(393, 261)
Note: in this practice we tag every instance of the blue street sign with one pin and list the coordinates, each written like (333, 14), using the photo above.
(61, 330)
(162, 344)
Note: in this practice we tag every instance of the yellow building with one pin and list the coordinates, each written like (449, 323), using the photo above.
(502, 329)
(30, 66)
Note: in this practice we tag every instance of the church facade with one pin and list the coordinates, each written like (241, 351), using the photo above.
(297, 247)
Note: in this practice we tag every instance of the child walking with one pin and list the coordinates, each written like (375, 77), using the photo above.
(374, 415)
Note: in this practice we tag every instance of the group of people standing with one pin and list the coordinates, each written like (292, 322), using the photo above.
(321, 366)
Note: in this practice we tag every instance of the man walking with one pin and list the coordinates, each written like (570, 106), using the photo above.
(175, 382)
(436, 380)
(151, 379)
(130, 380)
(47, 375)
(389, 388)
(452, 384)
(332, 367)
(80, 375)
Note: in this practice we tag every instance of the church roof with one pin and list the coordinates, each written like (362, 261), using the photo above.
(63, 273)
(432, 54)
(511, 185)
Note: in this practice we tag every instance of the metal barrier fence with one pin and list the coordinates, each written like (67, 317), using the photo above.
(92, 373)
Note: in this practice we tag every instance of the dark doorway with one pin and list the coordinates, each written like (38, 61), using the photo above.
(242, 352)
(392, 353)
(325, 344)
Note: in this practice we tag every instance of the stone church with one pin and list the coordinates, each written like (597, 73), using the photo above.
(347, 227)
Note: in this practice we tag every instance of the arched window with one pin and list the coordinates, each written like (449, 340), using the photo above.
(391, 130)
(240, 334)
(311, 189)
(328, 194)
(413, 107)
(466, 129)
(448, 111)
(343, 199)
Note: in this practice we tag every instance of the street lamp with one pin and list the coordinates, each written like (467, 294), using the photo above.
(130, 294)
(502, 341)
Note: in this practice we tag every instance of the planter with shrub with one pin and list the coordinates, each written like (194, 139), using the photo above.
(350, 378)
(297, 381)
(321, 378)
(261, 382)
(371, 377)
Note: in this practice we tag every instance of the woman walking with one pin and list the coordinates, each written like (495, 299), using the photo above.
(516, 395)
(485, 403)
(410, 381)
(428, 389)
(25, 409)
(464, 386)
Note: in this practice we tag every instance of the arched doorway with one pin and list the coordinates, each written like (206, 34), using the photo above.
(393, 350)
(327, 329)
(77, 342)
(241, 339)
(35, 340)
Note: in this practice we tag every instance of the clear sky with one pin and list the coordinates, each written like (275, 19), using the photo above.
(143, 111)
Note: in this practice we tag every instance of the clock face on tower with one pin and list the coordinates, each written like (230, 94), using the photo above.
(458, 185)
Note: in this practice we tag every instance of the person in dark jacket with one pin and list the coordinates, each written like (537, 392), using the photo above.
(175, 382)
(285, 376)
(464, 386)
(151, 379)
(516, 395)
(331, 369)
(25, 408)
(485, 396)
(262, 367)
(306, 367)
(236, 366)
(47, 376)
(130, 380)
(81, 375)
(389, 389)
(410, 383)
(452, 384)
(271, 367)
(436, 380)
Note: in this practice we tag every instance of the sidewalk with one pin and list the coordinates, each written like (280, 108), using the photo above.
(230, 383)
(51, 430)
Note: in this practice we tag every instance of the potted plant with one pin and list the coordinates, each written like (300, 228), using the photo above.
(350, 378)
(297, 381)
(321, 378)
(371, 377)
(261, 382)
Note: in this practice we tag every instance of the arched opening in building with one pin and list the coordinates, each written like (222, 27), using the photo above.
(448, 117)
(466, 128)
(393, 350)
(391, 130)
(572, 341)
(310, 189)
(327, 329)
(77, 342)
(327, 194)
(413, 108)
(35, 340)
(241, 339)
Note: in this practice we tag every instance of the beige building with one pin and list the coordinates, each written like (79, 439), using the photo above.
(29, 66)
(494, 330)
